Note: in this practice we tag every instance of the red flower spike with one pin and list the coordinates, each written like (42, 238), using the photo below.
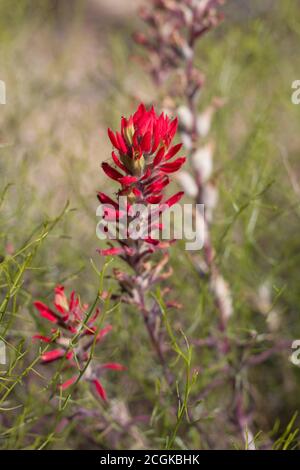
(71, 317)
(143, 151)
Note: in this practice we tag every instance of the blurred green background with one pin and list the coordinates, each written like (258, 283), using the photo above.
(71, 70)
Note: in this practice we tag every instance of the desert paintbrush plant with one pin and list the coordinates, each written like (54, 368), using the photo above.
(74, 334)
(144, 161)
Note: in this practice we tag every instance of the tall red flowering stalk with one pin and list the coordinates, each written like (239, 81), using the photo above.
(143, 159)
(73, 334)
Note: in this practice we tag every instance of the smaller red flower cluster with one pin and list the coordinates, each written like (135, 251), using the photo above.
(145, 158)
(73, 324)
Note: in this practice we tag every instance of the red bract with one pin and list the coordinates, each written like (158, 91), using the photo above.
(143, 157)
(73, 336)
